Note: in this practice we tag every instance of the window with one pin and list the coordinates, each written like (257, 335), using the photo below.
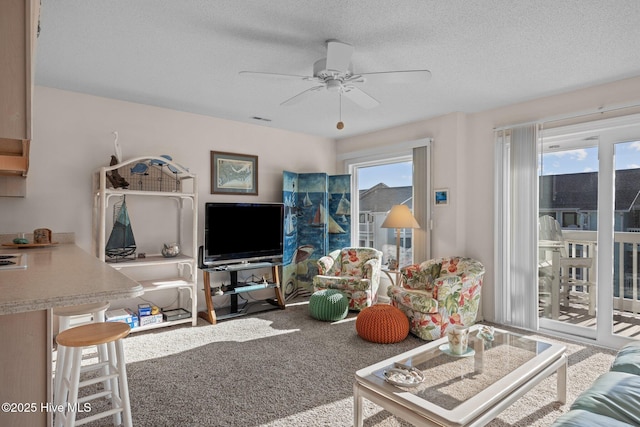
(386, 176)
(380, 186)
(570, 220)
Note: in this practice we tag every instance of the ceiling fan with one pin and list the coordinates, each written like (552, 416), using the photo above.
(335, 74)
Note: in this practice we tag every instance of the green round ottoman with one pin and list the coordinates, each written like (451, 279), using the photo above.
(328, 305)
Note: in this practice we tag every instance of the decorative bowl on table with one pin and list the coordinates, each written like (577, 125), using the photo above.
(170, 250)
(404, 376)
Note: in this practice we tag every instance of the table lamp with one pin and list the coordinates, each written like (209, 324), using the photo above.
(399, 217)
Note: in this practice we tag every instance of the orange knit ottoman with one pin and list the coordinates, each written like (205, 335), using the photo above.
(382, 323)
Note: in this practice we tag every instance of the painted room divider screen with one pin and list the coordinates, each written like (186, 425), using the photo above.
(317, 221)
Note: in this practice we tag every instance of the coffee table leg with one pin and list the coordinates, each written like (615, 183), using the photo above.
(357, 406)
(562, 380)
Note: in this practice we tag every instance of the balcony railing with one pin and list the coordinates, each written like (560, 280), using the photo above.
(626, 287)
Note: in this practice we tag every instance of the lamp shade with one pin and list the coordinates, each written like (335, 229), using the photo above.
(400, 217)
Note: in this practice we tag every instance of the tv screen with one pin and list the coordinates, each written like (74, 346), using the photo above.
(242, 232)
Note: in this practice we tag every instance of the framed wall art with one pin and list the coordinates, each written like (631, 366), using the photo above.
(233, 173)
(441, 197)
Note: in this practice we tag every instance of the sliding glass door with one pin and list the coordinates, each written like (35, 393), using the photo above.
(589, 188)
(568, 171)
(626, 287)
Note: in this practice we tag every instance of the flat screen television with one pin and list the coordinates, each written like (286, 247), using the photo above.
(243, 232)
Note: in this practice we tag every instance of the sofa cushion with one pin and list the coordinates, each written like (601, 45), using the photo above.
(613, 394)
(582, 418)
(628, 359)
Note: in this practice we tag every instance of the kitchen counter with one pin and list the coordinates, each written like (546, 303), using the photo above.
(59, 275)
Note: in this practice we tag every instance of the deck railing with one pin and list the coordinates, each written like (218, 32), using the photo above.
(626, 287)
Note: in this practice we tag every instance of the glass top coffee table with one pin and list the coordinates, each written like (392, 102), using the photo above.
(467, 390)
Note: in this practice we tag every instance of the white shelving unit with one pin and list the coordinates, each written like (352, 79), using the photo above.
(169, 194)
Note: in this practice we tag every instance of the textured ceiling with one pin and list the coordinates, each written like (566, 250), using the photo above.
(186, 54)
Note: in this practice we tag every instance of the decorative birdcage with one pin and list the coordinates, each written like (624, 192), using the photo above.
(152, 175)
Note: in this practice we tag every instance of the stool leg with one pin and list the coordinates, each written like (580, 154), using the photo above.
(63, 368)
(103, 356)
(112, 384)
(97, 317)
(64, 322)
(58, 375)
(73, 389)
(71, 380)
(124, 385)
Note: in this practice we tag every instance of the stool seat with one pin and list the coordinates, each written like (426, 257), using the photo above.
(93, 334)
(78, 310)
(383, 324)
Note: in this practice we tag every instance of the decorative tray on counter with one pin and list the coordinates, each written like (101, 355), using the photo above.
(28, 245)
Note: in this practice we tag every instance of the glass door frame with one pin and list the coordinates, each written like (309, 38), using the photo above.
(607, 132)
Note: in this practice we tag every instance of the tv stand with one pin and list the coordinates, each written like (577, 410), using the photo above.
(235, 288)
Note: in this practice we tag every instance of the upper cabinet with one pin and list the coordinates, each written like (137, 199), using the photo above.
(18, 34)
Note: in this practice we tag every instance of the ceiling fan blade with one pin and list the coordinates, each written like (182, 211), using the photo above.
(401, 77)
(301, 96)
(273, 75)
(338, 55)
(355, 78)
(360, 97)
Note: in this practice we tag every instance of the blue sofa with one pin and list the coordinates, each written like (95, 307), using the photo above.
(613, 400)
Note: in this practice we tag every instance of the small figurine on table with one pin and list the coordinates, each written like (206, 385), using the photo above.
(486, 334)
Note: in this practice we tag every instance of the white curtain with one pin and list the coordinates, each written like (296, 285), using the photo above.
(516, 296)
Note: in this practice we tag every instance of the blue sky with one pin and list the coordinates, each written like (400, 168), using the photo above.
(394, 175)
(562, 162)
(627, 156)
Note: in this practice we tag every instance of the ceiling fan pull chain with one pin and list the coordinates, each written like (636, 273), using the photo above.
(340, 125)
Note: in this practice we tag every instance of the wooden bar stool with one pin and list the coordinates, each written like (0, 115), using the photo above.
(75, 339)
(65, 315)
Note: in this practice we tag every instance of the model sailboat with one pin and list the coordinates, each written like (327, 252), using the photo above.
(121, 242)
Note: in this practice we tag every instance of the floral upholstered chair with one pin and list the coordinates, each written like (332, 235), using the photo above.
(439, 293)
(353, 271)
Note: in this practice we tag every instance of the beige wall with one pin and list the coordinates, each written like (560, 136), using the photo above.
(72, 137)
(463, 161)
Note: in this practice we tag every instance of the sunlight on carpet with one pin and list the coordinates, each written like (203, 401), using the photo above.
(153, 344)
(284, 368)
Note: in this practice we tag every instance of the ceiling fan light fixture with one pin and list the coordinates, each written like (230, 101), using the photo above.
(334, 85)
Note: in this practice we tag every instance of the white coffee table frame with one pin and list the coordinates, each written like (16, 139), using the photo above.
(476, 411)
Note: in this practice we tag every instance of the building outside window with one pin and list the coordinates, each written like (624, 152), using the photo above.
(380, 187)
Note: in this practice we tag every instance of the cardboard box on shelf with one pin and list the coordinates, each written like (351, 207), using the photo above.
(176, 314)
(151, 319)
(123, 315)
(144, 310)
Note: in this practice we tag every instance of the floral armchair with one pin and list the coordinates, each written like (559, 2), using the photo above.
(353, 271)
(439, 293)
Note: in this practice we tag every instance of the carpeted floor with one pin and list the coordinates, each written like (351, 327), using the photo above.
(283, 368)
